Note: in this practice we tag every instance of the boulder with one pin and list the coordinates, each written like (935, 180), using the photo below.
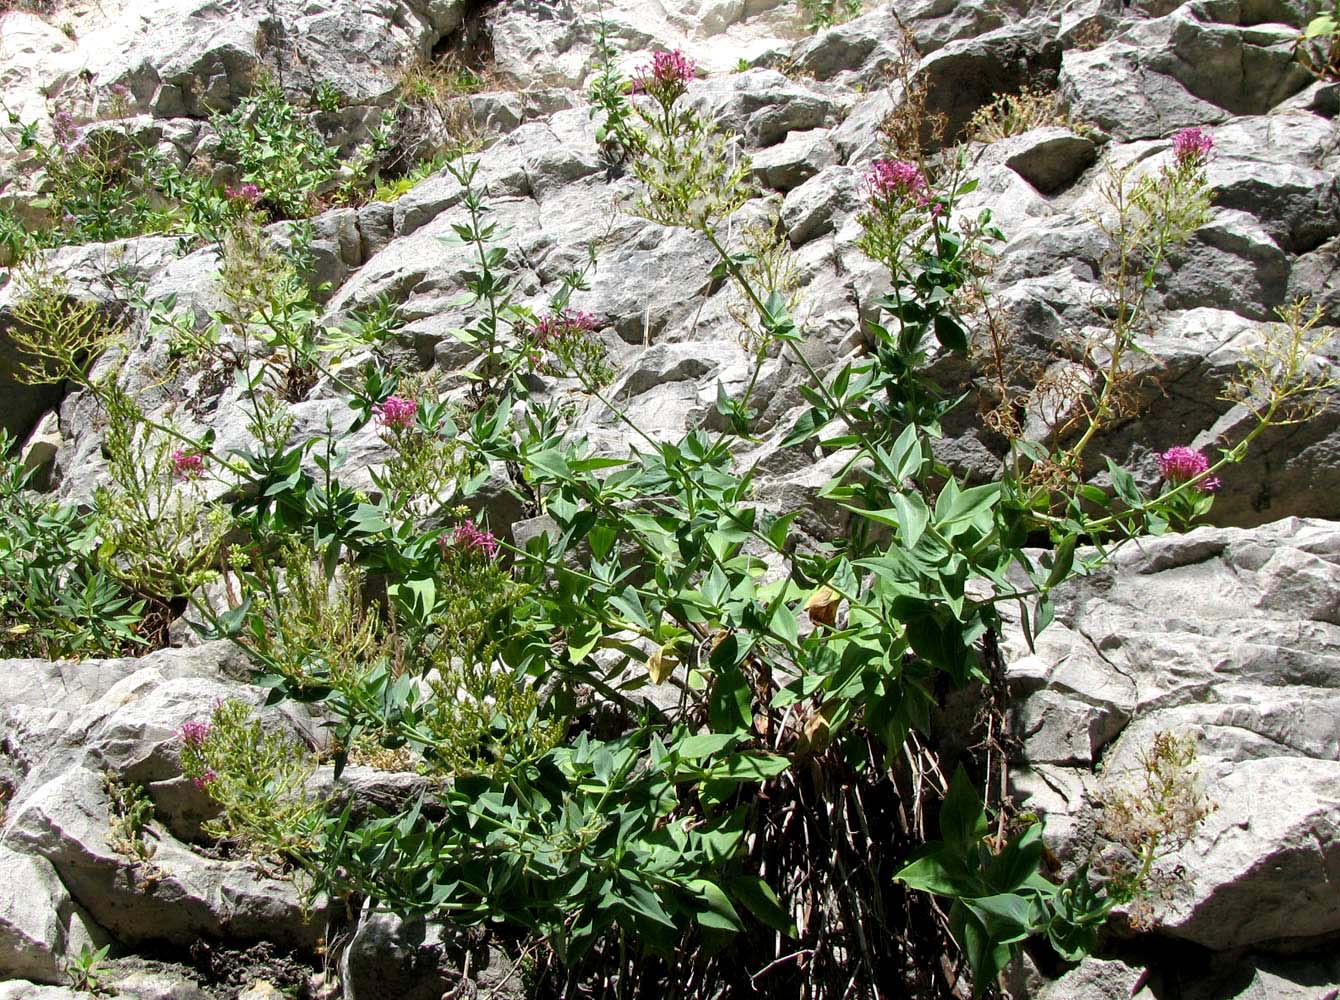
(176, 896)
(1050, 158)
(969, 73)
(414, 959)
(820, 204)
(790, 163)
(1232, 636)
(1187, 68)
(40, 927)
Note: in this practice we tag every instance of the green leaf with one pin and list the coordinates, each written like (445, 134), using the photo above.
(928, 872)
(582, 638)
(640, 901)
(913, 516)
(1062, 562)
(962, 815)
(1318, 26)
(1124, 483)
(704, 745)
(950, 333)
(1018, 862)
(552, 462)
(748, 767)
(720, 914)
(958, 506)
(1006, 918)
(759, 899)
(986, 956)
(729, 708)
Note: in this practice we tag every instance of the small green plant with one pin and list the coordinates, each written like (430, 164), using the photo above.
(1150, 215)
(826, 13)
(1318, 47)
(132, 809)
(160, 538)
(565, 344)
(619, 138)
(86, 970)
(1014, 114)
(16, 243)
(999, 899)
(391, 190)
(99, 182)
(434, 123)
(327, 97)
(57, 336)
(56, 598)
(277, 148)
(1149, 813)
(257, 777)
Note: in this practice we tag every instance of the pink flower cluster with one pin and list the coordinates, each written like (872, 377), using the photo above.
(64, 130)
(469, 537)
(1181, 465)
(187, 464)
(397, 413)
(206, 779)
(563, 325)
(889, 180)
(666, 77)
(1191, 146)
(193, 733)
(246, 194)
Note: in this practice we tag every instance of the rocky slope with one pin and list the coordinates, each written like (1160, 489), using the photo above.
(1230, 633)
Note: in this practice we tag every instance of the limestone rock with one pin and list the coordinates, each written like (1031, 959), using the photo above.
(40, 927)
(1051, 159)
(176, 896)
(817, 206)
(20, 990)
(794, 161)
(969, 73)
(1233, 636)
(1187, 68)
(155, 985)
(1262, 876)
(423, 960)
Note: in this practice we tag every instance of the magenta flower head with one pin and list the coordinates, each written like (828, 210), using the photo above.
(206, 779)
(469, 537)
(63, 128)
(894, 181)
(193, 733)
(1180, 465)
(187, 464)
(245, 195)
(1191, 146)
(666, 77)
(562, 326)
(397, 413)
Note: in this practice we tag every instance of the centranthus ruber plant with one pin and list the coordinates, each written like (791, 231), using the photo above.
(653, 720)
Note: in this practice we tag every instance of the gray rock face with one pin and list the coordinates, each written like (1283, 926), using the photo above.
(1051, 159)
(31, 991)
(1234, 637)
(1200, 63)
(39, 926)
(68, 724)
(213, 56)
(967, 74)
(420, 960)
